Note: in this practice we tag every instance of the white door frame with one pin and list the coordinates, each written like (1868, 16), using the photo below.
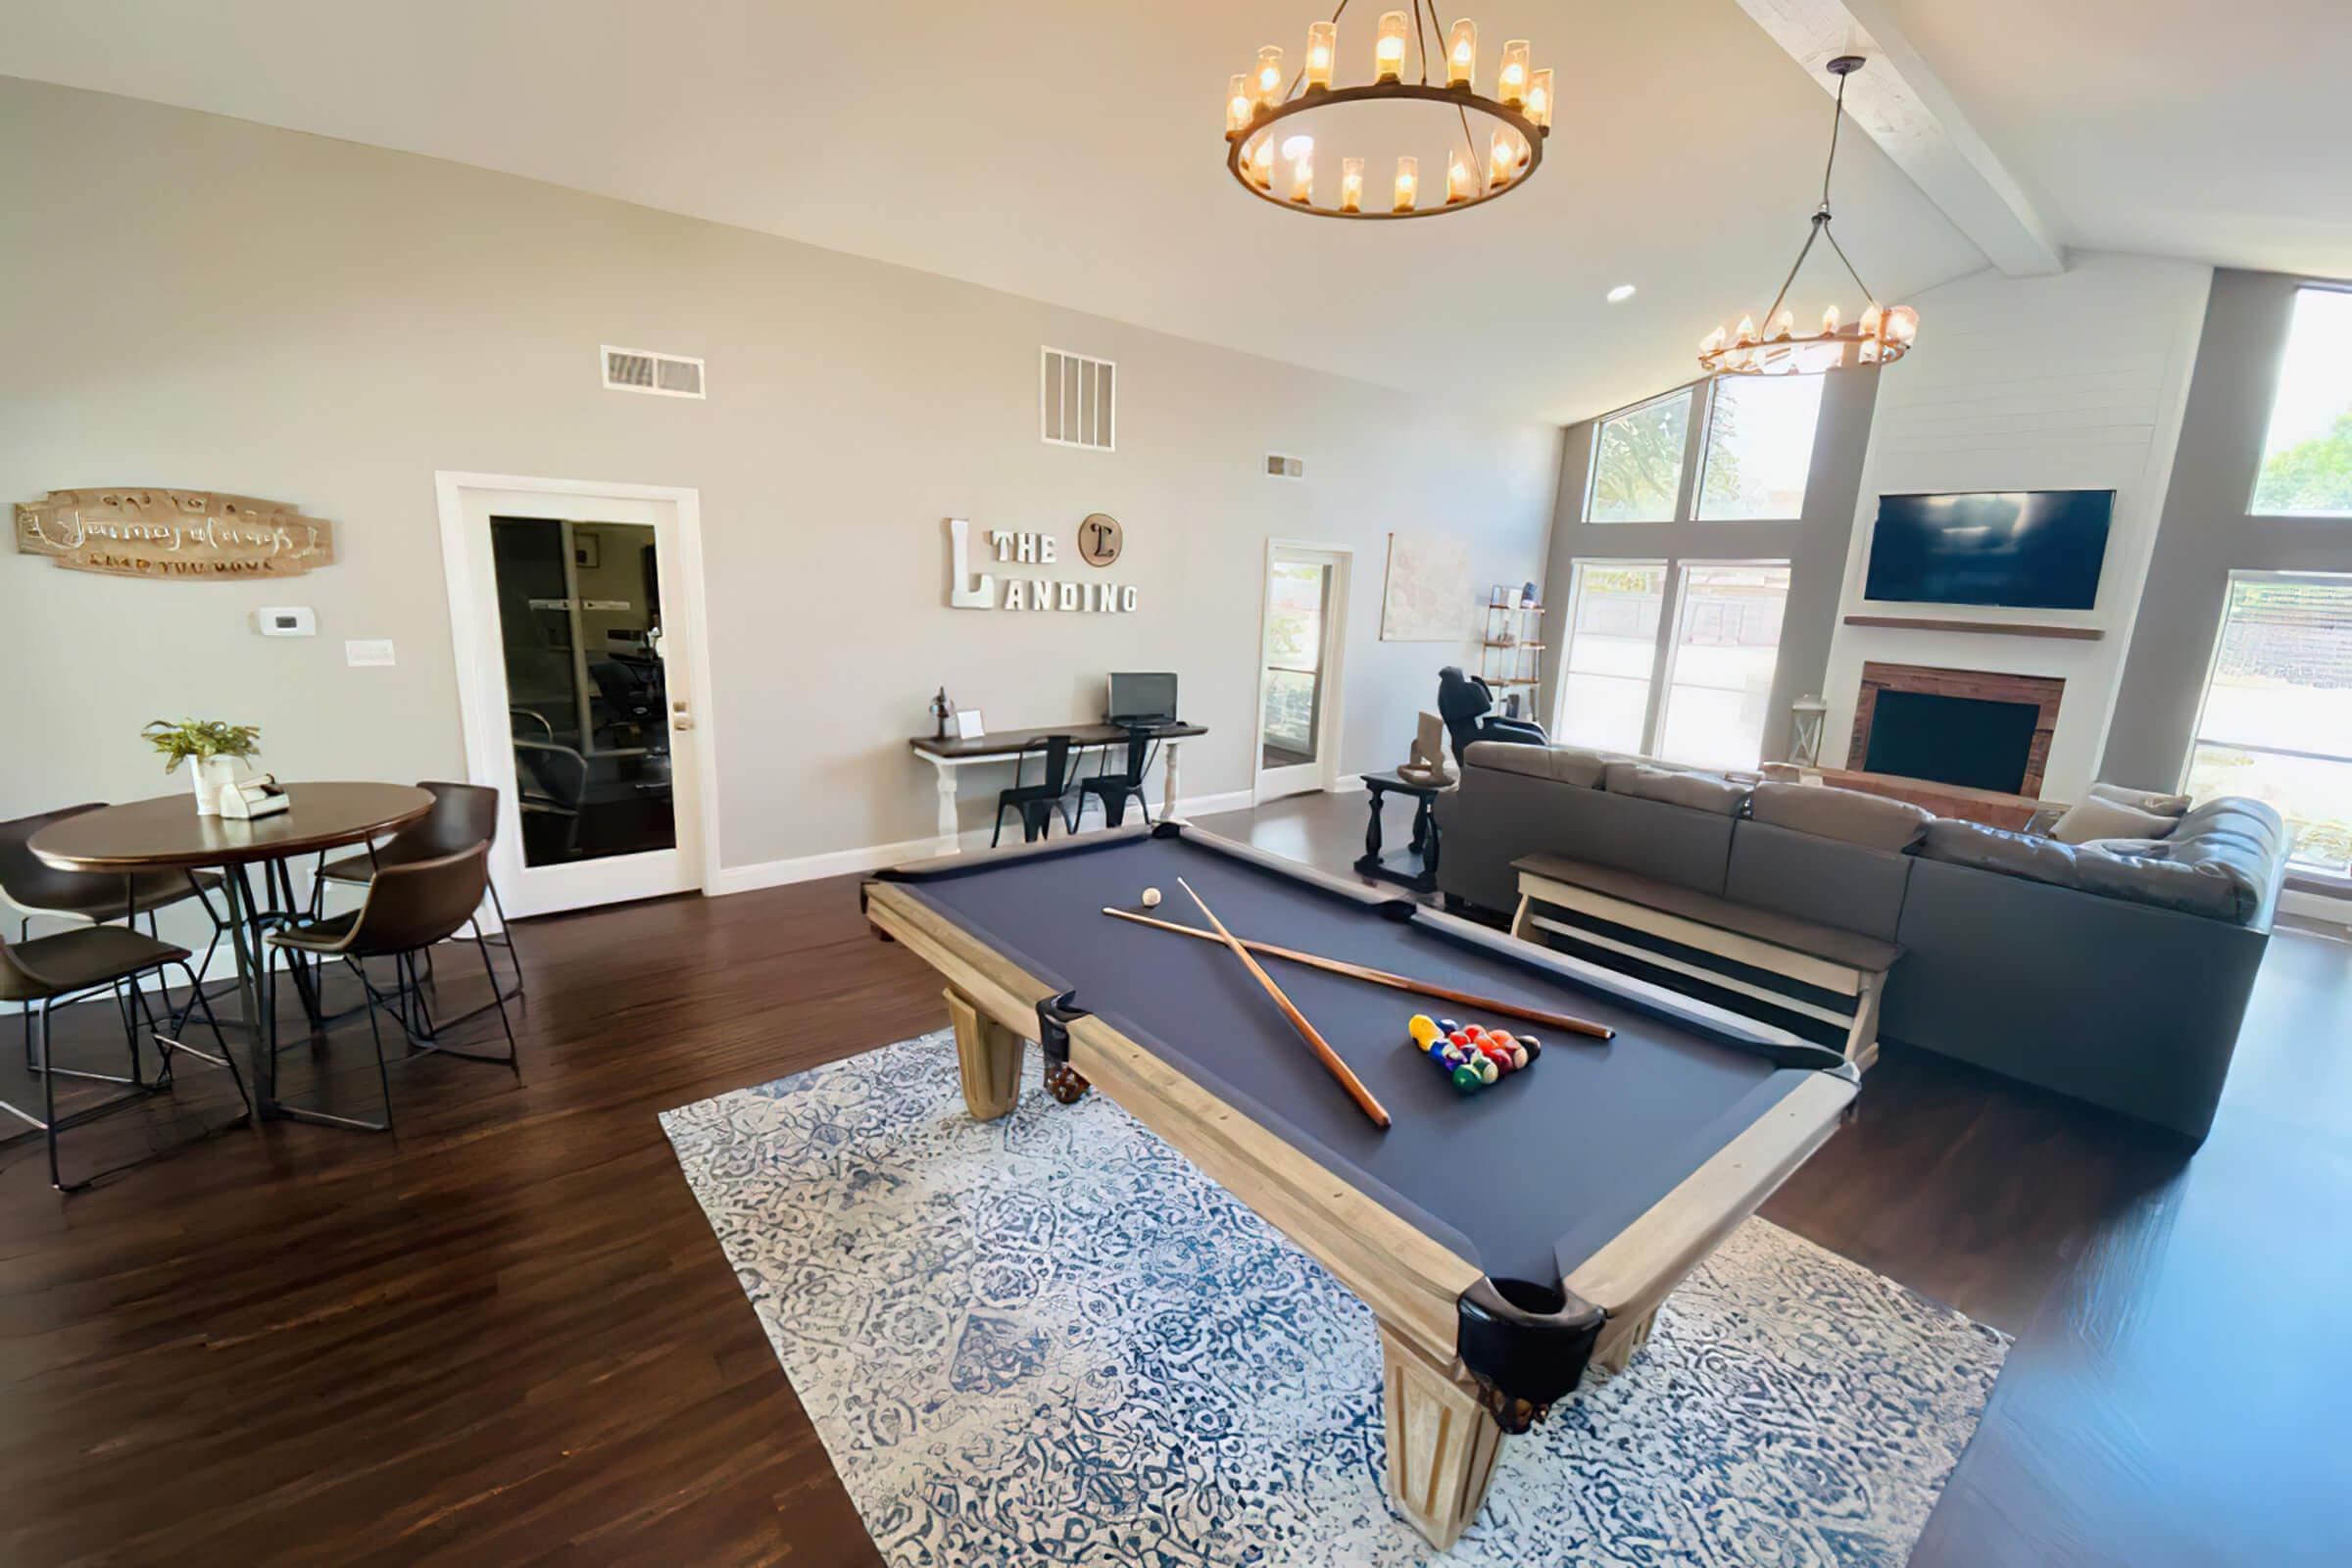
(1329, 727)
(474, 643)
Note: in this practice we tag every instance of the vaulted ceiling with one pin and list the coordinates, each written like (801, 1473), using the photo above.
(1070, 151)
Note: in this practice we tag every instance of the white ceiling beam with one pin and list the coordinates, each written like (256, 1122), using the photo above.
(1906, 109)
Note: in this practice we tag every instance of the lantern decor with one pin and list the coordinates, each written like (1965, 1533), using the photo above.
(1517, 114)
(1880, 335)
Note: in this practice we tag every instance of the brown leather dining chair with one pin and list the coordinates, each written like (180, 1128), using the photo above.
(410, 907)
(462, 815)
(49, 972)
(39, 889)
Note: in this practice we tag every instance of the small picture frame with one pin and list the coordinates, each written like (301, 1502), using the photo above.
(967, 724)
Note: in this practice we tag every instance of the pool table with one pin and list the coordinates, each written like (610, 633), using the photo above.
(1502, 1239)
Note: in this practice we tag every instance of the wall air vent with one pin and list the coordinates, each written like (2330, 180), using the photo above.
(1077, 401)
(1278, 467)
(664, 375)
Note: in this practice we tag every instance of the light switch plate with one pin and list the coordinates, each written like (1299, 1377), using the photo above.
(368, 651)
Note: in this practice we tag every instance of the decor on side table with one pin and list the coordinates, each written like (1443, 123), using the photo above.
(1495, 159)
(1883, 335)
(215, 749)
(1429, 764)
(1807, 717)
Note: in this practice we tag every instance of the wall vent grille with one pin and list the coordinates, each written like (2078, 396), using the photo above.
(662, 375)
(1278, 467)
(1077, 401)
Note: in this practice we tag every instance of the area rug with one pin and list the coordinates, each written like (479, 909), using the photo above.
(1049, 1339)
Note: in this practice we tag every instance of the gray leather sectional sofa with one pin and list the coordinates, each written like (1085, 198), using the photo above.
(2116, 973)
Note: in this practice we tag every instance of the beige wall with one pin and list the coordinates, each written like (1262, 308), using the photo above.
(199, 302)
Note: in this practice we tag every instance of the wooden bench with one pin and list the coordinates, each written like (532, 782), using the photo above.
(1598, 906)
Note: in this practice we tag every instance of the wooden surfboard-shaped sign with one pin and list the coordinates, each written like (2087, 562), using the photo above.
(196, 535)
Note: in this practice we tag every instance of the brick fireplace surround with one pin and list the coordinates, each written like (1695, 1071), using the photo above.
(2044, 691)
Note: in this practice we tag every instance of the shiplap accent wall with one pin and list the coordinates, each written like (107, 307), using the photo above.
(2075, 381)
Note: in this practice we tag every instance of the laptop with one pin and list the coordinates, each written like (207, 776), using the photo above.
(1142, 700)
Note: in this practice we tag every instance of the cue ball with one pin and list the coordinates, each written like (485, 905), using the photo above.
(1151, 898)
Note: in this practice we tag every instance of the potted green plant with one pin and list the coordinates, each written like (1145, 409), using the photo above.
(215, 749)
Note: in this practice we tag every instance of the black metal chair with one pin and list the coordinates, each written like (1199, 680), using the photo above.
(462, 815)
(1114, 790)
(1037, 803)
(48, 972)
(408, 908)
(94, 897)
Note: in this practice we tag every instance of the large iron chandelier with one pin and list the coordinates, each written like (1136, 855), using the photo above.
(1257, 103)
(1881, 335)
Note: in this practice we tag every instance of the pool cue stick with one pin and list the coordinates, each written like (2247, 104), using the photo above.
(1382, 977)
(1306, 1031)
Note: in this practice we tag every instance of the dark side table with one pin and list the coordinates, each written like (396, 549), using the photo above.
(1415, 866)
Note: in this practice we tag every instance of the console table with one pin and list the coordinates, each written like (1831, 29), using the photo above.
(1003, 746)
(1416, 866)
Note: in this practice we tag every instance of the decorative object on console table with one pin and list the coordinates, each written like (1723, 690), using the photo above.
(942, 711)
(173, 533)
(968, 726)
(1415, 866)
(215, 747)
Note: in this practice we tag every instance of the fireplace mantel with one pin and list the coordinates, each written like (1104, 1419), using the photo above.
(2043, 691)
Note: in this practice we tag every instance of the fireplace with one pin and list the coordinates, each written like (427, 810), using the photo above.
(1974, 728)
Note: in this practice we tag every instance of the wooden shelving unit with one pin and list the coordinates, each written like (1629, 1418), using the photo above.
(1511, 647)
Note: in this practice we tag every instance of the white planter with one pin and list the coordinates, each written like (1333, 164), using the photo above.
(212, 774)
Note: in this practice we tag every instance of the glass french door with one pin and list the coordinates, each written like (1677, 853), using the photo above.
(1296, 705)
(579, 700)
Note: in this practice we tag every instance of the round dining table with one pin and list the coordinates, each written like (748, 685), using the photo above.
(165, 834)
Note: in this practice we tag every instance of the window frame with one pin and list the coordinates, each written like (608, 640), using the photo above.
(2262, 455)
(1671, 629)
(1577, 568)
(1683, 483)
(2196, 732)
(1706, 448)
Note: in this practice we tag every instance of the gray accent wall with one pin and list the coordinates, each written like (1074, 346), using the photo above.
(1814, 544)
(2209, 531)
(203, 303)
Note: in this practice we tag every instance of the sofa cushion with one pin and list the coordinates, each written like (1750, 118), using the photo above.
(1824, 880)
(1847, 814)
(1991, 849)
(2147, 848)
(1701, 792)
(2141, 800)
(1564, 764)
(2220, 888)
(2097, 817)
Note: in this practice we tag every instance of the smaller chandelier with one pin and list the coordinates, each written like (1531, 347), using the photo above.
(1518, 117)
(1881, 336)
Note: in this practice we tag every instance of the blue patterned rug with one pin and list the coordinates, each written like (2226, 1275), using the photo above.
(1049, 1339)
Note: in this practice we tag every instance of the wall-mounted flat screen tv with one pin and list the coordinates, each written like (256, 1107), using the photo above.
(2020, 549)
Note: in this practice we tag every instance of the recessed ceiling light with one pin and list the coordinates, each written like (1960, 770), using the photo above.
(1621, 293)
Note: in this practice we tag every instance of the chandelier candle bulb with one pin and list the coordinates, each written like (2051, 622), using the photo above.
(1902, 325)
(1388, 47)
(1831, 320)
(1784, 325)
(1746, 333)
(1408, 183)
(1261, 162)
(1269, 75)
(1302, 179)
(1322, 48)
(1502, 158)
(1510, 84)
(1461, 53)
(1461, 181)
(1240, 106)
(1870, 321)
(1352, 184)
(1538, 99)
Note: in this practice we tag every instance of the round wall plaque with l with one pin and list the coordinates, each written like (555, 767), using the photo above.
(1099, 538)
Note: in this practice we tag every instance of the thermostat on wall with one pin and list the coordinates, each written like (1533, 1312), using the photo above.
(293, 621)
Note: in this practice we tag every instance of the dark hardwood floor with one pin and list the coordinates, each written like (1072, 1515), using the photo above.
(506, 1336)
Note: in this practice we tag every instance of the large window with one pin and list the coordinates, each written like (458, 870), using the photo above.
(1759, 447)
(2307, 457)
(1727, 639)
(1637, 462)
(1613, 615)
(2277, 721)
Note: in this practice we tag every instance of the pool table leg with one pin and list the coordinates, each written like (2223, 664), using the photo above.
(1441, 1443)
(1620, 1344)
(990, 1056)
